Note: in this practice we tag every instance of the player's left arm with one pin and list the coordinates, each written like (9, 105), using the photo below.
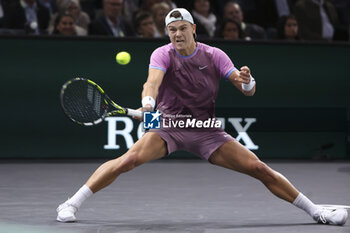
(243, 80)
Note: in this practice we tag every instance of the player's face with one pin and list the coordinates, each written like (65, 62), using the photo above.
(181, 35)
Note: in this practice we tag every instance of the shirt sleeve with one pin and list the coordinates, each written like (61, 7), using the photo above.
(223, 63)
(160, 59)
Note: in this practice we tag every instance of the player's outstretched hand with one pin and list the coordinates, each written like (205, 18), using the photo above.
(139, 118)
(144, 109)
(244, 75)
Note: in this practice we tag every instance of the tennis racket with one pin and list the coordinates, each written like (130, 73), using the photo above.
(85, 103)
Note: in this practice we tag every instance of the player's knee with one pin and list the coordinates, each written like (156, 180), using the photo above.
(262, 172)
(128, 162)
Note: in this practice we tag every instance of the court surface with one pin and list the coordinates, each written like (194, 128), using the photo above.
(167, 196)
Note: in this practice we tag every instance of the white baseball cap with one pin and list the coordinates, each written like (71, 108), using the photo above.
(185, 15)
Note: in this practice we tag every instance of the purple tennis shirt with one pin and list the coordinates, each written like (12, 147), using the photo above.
(189, 88)
(190, 84)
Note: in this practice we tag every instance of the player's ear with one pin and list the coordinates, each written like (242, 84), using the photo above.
(194, 27)
(167, 29)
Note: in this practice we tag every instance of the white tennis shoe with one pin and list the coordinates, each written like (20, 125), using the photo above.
(66, 212)
(332, 216)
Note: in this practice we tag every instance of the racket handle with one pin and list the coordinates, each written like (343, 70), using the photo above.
(133, 112)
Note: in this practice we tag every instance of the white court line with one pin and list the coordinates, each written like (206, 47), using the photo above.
(328, 206)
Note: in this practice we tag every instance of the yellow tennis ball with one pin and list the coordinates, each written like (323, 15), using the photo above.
(123, 58)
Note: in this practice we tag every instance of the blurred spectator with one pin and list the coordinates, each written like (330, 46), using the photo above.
(181, 3)
(230, 30)
(269, 11)
(50, 5)
(27, 15)
(64, 25)
(146, 5)
(343, 9)
(82, 19)
(171, 3)
(233, 11)
(1, 14)
(249, 9)
(318, 20)
(282, 7)
(264, 13)
(90, 7)
(159, 12)
(4, 4)
(203, 18)
(287, 28)
(144, 25)
(111, 23)
(71, 7)
(129, 9)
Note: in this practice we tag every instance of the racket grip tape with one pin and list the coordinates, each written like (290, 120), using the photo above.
(133, 112)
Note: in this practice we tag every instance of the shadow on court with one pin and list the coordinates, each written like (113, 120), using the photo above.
(344, 169)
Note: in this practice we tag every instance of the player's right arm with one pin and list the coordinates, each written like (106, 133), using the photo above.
(159, 63)
(151, 87)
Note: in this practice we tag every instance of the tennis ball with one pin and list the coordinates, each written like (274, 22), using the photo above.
(123, 58)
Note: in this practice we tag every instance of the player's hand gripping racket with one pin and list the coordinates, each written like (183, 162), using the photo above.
(86, 103)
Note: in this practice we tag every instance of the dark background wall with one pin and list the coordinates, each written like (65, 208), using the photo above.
(301, 107)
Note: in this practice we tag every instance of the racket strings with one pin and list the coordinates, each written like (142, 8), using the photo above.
(83, 102)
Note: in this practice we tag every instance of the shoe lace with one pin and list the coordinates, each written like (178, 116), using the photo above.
(65, 205)
(322, 217)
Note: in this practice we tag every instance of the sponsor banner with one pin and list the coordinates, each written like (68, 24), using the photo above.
(295, 112)
(125, 132)
(314, 132)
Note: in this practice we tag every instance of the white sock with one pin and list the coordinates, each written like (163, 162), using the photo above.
(80, 196)
(305, 204)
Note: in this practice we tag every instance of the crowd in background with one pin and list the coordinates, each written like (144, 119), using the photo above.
(306, 20)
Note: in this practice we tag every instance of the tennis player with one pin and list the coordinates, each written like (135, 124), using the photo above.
(183, 77)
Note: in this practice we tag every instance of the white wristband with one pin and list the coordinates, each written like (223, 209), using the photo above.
(148, 100)
(250, 85)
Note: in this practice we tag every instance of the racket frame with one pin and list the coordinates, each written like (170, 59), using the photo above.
(118, 110)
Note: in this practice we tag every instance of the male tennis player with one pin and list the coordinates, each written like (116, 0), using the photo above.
(183, 77)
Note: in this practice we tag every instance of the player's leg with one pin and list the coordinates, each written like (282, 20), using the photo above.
(233, 155)
(150, 147)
